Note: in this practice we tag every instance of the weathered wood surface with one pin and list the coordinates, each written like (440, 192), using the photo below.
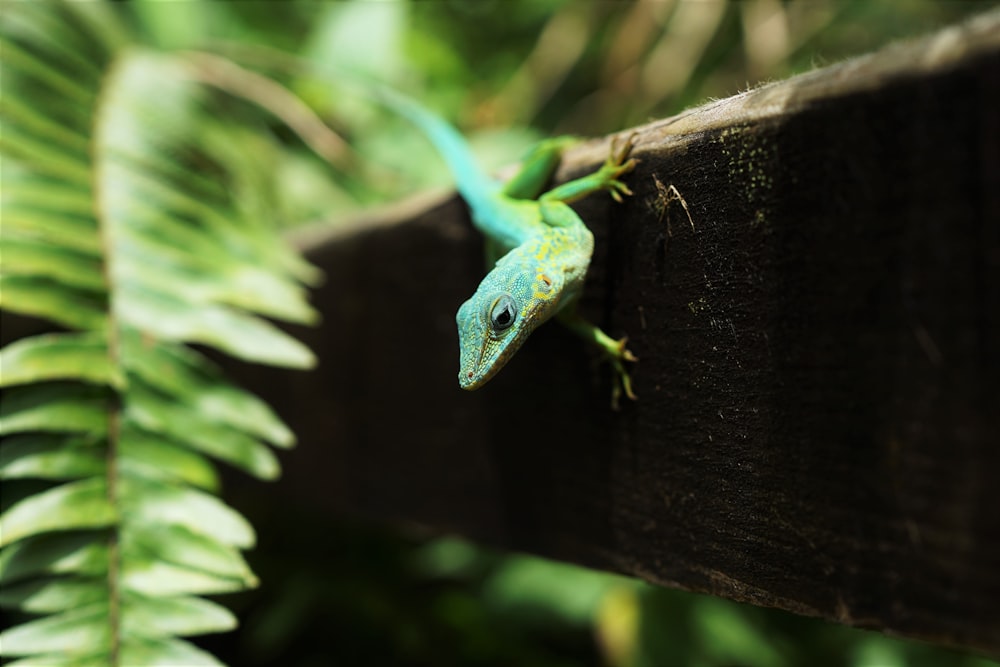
(819, 381)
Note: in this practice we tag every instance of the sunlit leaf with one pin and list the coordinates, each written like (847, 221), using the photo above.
(60, 304)
(229, 330)
(62, 660)
(154, 577)
(54, 553)
(268, 294)
(119, 223)
(156, 414)
(50, 456)
(151, 501)
(30, 120)
(165, 653)
(730, 636)
(98, 24)
(150, 455)
(71, 506)
(56, 357)
(193, 381)
(35, 220)
(54, 595)
(59, 407)
(146, 616)
(40, 26)
(21, 255)
(74, 631)
(28, 63)
(569, 592)
(178, 545)
(359, 39)
(48, 160)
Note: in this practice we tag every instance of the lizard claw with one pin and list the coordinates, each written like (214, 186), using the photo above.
(623, 383)
(616, 166)
(617, 157)
(612, 349)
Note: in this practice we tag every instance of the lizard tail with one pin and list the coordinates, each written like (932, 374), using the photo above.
(471, 182)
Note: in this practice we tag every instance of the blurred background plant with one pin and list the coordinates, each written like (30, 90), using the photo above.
(303, 150)
(507, 72)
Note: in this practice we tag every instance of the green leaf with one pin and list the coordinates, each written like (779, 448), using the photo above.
(149, 455)
(71, 506)
(152, 502)
(353, 36)
(231, 331)
(730, 636)
(153, 577)
(189, 378)
(99, 25)
(164, 292)
(23, 120)
(22, 255)
(572, 593)
(182, 547)
(159, 415)
(63, 228)
(43, 298)
(118, 225)
(75, 92)
(80, 553)
(56, 357)
(266, 293)
(164, 653)
(60, 660)
(24, 192)
(40, 26)
(49, 456)
(75, 631)
(48, 160)
(146, 616)
(54, 595)
(59, 407)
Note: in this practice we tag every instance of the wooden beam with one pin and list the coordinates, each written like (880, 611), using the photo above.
(817, 428)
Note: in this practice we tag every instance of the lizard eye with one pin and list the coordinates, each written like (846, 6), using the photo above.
(503, 313)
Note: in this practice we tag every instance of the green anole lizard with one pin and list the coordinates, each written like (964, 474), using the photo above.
(539, 247)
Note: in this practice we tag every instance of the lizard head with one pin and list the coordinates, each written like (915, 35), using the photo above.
(513, 299)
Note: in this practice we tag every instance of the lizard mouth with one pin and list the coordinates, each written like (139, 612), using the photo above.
(469, 376)
(467, 381)
(476, 369)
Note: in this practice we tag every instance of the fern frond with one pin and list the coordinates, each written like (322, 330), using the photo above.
(111, 229)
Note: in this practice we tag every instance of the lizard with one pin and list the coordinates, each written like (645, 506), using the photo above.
(539, 247)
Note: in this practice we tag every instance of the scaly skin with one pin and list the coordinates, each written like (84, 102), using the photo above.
(544, 249)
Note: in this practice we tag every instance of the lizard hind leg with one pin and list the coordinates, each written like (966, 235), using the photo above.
(537, 168)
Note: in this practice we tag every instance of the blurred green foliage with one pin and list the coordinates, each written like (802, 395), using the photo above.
(356, 594)
(507, 72)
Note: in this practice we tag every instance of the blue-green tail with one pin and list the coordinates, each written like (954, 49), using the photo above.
(472, 183)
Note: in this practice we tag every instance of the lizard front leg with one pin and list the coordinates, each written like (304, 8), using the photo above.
(605, 178)
(612, 349)
(537, 168)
